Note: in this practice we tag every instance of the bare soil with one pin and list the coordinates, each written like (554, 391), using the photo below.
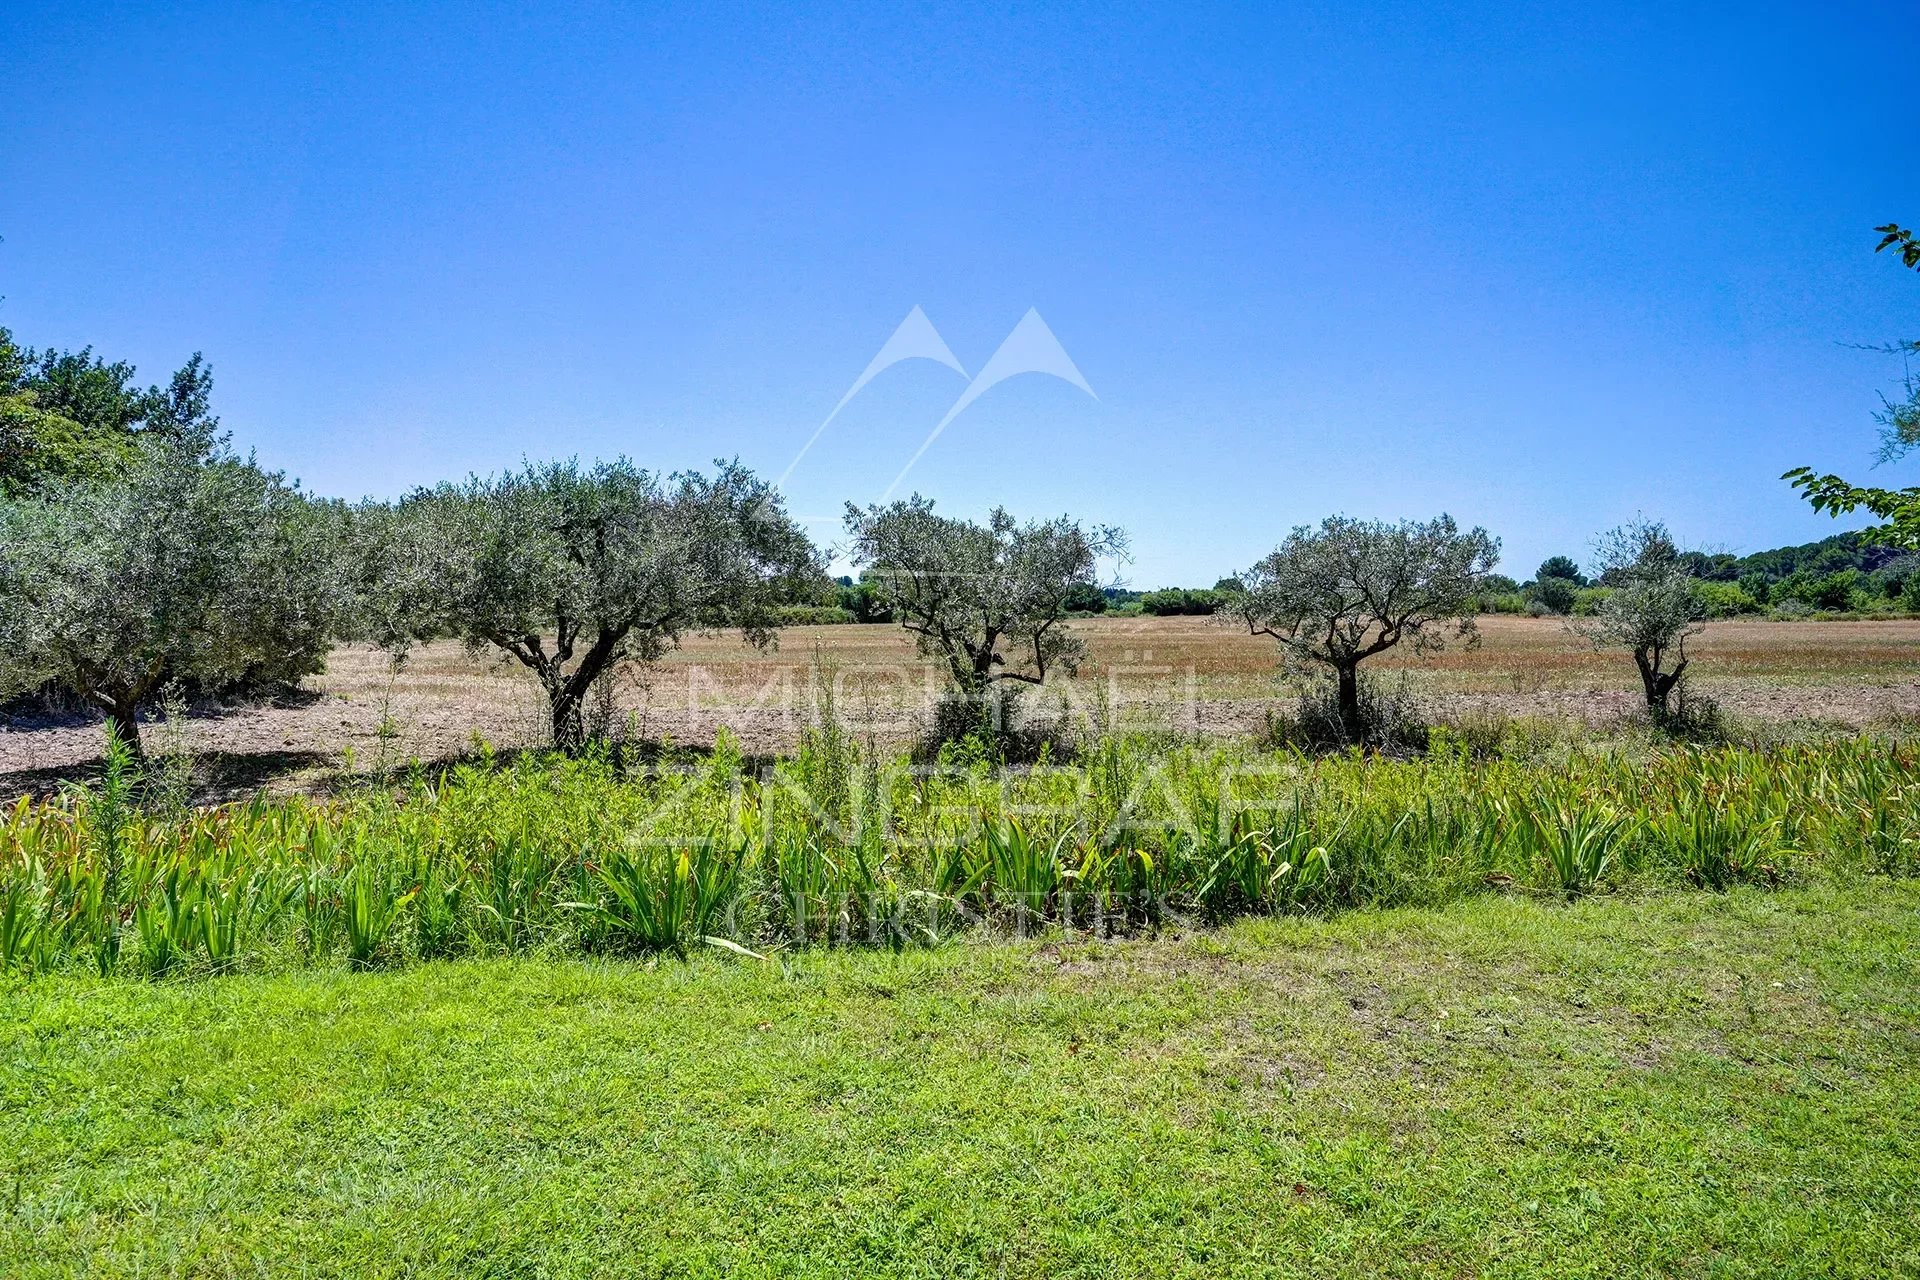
(1191, 674)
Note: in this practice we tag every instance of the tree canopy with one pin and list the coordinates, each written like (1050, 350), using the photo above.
(990, 601)
(1899, 434)
(187, 564)
(1651, 609)
(1337, 595)
(68, 415)
(1560, 567)
(570, 568)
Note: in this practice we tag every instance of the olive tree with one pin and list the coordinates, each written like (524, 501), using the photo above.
(1337, 595)
(989, 601)
(189, 564)
(571, 569)
(1650, 609)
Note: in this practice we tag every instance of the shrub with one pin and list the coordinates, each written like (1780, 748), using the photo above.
(1725, 600)
(862, 601)
(1829, 591)
(1388, 719)
(1587, 601)
(1556, 594)
(1696, 717)
(1837, 590)
(1085, 597)
(1001, 729)
(1171, 601)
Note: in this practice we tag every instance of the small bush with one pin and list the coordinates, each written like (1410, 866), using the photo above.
(1757, 585)
(1179, 600)
(1587, 601)
(1725, 600)
(1390, 719)
(1695, 717)
(1555, 595)
(1831, 591)
(1480, 735)
(1085, 597)
(862, 601)
(1005, 731)
(1836, 590)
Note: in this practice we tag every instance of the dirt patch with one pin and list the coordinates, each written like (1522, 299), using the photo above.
(1189, 675)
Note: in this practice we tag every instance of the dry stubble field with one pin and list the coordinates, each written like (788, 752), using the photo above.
(1186, 673)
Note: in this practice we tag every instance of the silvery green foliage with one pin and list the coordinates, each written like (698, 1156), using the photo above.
(190, 565)
(395, 562)
(1651, 608)
(988, 600)
(1352, 588)
(1341, 593)
(570, 569)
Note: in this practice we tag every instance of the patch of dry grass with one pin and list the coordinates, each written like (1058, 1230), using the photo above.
(1187, 673)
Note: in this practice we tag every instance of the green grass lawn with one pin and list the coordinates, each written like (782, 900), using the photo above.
(1682, 1084)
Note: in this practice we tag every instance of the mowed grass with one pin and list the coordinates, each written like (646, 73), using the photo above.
(1671, 1084)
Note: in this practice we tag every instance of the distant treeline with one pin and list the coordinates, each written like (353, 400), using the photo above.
(856, 601)
(1840, 574)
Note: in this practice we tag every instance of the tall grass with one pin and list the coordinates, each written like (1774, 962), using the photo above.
(838, 847)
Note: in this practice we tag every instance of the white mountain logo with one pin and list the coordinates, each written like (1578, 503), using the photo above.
(1029, 348)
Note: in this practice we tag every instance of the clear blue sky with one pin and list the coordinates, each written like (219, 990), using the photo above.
(1542, 268)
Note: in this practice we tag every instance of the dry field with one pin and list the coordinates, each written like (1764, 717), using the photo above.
(1186, 673)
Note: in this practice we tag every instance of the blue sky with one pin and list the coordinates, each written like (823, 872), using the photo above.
(1542, 269)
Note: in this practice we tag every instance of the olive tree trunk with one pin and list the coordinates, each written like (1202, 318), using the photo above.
(1659, 684)
(1348, 676)
(122, 711)
(569, 725)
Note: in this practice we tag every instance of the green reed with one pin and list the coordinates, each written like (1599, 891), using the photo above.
(838, 846)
